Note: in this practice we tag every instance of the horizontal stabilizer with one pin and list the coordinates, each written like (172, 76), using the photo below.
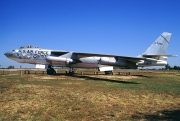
(151, 56)
(158, 57)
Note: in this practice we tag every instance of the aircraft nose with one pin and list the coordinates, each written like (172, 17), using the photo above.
(9, 54)
(6, 54)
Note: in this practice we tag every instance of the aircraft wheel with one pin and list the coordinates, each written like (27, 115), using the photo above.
(51, 71)
(108, 72)
(71, 73)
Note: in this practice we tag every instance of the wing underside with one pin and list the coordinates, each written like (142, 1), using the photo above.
(132, 59)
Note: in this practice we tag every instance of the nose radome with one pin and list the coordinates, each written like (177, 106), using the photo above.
(6, 54)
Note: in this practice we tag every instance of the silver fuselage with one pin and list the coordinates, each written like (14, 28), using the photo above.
(41, 56)
(155, 55)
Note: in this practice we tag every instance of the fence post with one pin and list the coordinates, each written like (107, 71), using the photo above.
(128, 73)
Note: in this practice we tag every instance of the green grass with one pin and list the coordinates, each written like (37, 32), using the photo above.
(42, 97)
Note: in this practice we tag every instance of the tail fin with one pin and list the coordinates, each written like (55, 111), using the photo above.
(156, 55)
(160, 45)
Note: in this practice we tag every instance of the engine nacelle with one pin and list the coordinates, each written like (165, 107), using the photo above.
(112, 61)
(164, 58)
(107, 61)
(59, 59)
(152, 63)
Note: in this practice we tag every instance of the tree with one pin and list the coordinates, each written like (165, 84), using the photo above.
(175, 67)
(10, 67)
(167, 67)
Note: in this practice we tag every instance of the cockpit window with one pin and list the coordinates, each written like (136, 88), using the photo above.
(29, 46)
(21, 47)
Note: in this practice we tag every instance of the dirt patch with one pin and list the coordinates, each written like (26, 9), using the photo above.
(47, 77)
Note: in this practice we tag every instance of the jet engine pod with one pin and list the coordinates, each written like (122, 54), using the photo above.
(152, 63)
(107, 60)
(59, 59)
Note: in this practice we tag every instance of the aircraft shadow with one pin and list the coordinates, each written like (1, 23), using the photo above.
(144, 76)
(105, 79)
(170, 115)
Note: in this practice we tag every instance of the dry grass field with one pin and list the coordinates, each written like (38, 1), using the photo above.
(90, 97)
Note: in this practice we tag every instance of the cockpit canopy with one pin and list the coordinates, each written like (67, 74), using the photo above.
(28, 46)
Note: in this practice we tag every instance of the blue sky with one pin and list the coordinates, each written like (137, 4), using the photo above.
(122, 27)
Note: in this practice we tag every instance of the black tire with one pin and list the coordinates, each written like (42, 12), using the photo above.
(108, 72)
(71, 73)
(51, 71)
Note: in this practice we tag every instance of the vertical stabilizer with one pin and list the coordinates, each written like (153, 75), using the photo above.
(160, 45)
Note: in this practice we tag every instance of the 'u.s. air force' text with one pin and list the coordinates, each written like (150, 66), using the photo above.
(35, 52)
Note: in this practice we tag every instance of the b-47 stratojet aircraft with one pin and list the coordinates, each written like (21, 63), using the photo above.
(155, 55)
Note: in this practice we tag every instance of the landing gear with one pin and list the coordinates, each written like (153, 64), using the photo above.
(50, 70)
(108, 72)
(71, 72)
